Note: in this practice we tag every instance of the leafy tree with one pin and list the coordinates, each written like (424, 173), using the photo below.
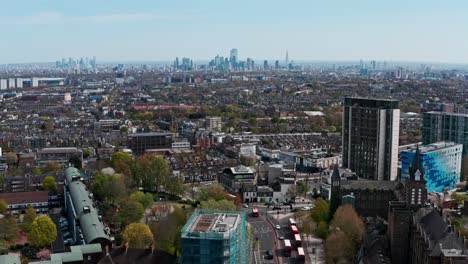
(153, 171)
(220, 205)
(3, 206)
(8, 228)
(302, 188)
(124, 129)
(36, 171)
(28, 219)
(247, 161)
(174, 185)
(459, 198)
(347, 220)
(138, 235)
(145, 199)
(131, 211)
(321, 211)
(291, 193)
(322, 230)
(11, 158)
(108, 188)
(253, 121)
(213, 191)
(87, 153)
(122, 157)
(275, 120)
(339, 248)
(43, 231)
(49, 184)
(52, 167)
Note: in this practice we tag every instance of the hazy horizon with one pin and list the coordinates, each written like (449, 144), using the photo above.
(336, 30)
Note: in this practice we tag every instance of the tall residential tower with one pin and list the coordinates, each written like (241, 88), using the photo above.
(370, 137)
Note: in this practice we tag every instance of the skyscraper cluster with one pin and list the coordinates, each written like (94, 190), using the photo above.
(82, 63)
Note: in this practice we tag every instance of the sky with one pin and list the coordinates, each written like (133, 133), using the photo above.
(160, 30)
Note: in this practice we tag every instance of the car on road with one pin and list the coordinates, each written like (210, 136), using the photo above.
(246, 206)
(281, 238)
(269, 254)
(278, 227)
(67, 242)
(306, 208)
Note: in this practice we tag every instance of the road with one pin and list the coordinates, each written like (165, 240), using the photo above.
(265, 234)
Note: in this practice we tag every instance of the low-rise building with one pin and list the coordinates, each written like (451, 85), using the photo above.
(139, 143)
(234, 178)
(58, 155)
(19, 201)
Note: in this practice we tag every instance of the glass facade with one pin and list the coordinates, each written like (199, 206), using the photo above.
(442, 162)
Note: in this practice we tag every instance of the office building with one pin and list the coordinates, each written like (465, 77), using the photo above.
(58, 155)
(139, 143)
(443, 126)
(234, 58)
(215, 237)
(3, 84)
(370, 137)
(235, 178)
(442, 162)
(214, 123)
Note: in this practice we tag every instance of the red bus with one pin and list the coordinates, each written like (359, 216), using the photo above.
(300, 255)
(294, 230)
(287, 248)
(292, 222)
(254, 212)
(298, 240)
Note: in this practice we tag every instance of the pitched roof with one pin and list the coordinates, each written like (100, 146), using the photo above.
(25, 197)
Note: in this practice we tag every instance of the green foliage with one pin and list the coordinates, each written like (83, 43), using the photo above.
(322, 230)
(109, 188)
(146, 200)
(76, 162)
(28, 219)
(36, 171)
(138, 235)
(302, 188)
(459, 198)
(49, 184)
(220, 205)
(120, 157)
(247, 161)
(131, 211)
(347, 220)
(152, 172)
(321, 211)
(275, 120)
(43, 231)
(167, 230)
(3, 206)
(52, 167)
(339, 248)
(87, 153)
(213, 191)
(8, 228)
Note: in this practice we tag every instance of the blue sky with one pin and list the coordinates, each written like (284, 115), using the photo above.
(114, 30)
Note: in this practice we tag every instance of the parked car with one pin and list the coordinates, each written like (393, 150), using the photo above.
(269, 254)
(278, 227)
(246, 206)
(306, 208)
(68, 242)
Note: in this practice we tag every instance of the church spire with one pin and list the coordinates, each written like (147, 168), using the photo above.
(416, 171)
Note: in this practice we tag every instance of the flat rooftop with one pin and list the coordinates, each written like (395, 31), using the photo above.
(433, 147)
(215, 222)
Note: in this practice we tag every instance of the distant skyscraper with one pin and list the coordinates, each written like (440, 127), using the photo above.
(234, 58)
(286, 61)
(277, 64)
(370, 137)
(265, 64)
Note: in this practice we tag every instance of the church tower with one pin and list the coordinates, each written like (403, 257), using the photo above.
(415, 186)
(335, 199)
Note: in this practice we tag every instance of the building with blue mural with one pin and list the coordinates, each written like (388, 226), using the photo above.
(442, 162)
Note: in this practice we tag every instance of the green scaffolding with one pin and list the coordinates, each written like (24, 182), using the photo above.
(215, 247)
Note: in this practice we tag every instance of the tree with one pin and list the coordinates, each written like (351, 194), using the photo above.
(87, 153)
(11, 158)
(213, 191)
(3, 206)
(131, 211)
(43, 231)
(145, 199)
(459, 198)
(339, 248)
(220, 205)
(174, 185)
(167, 230)
(322, 230)
(28, 219)
(49, 184)
(138, 235)
(247, 161)
(108, 188)
(8, 228)
(36, 171)
(347, 220)
(321, 211)
(120, 156)
(291, 192)
(52, 167)
(302, 188)
(153, 172)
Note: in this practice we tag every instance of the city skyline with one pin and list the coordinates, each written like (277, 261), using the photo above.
(43, 31)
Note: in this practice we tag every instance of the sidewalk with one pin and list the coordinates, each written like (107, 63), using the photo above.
(314, 243)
